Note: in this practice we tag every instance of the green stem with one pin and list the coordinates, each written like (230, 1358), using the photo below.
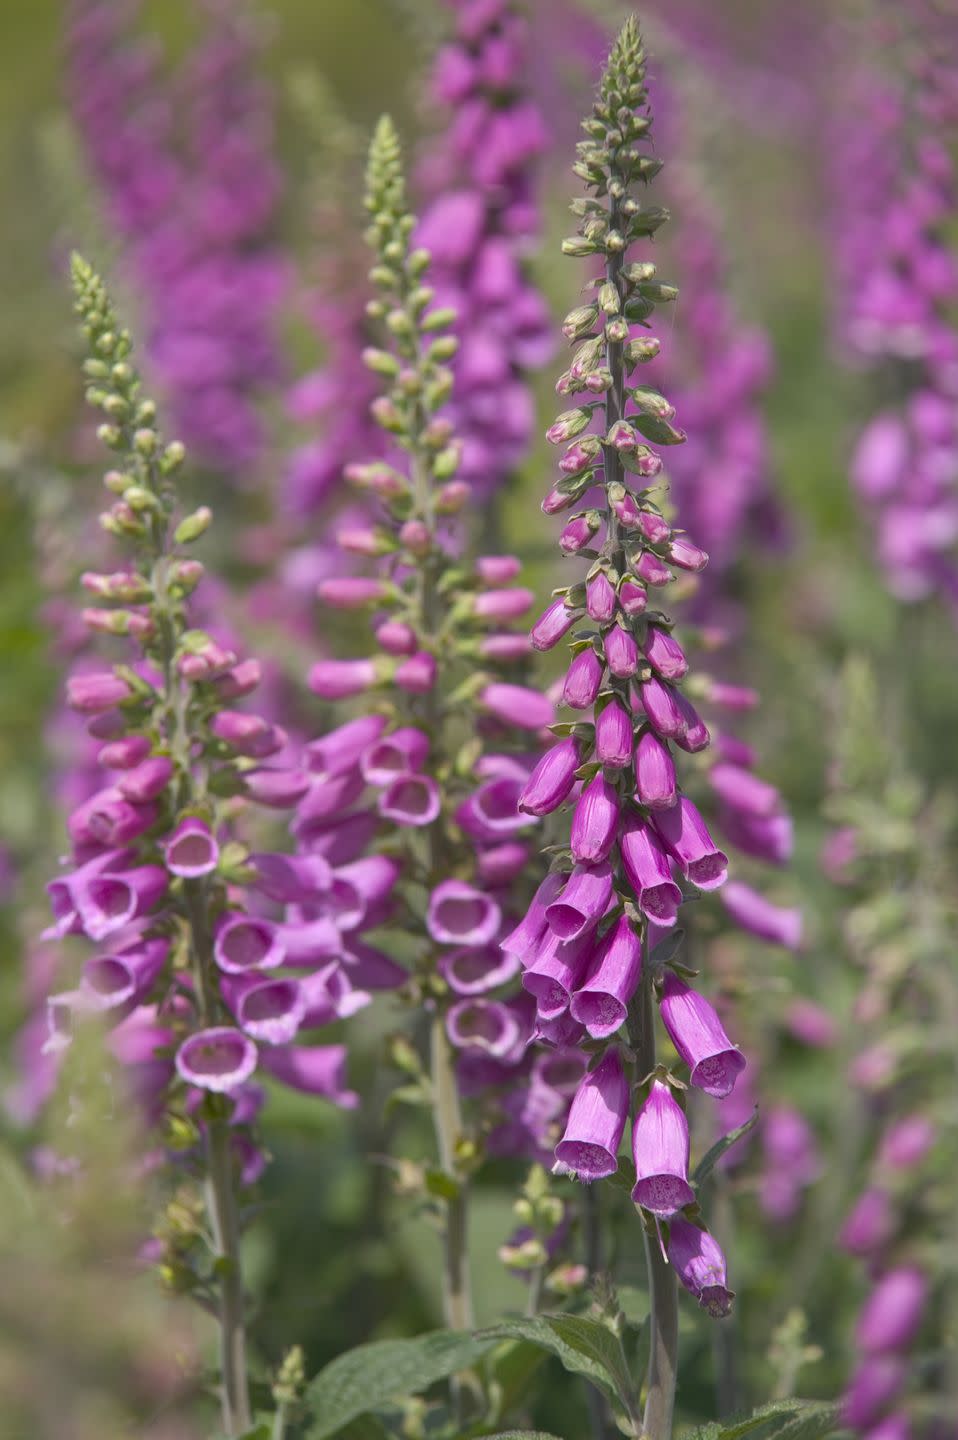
(448, 1123)
(224, 1222)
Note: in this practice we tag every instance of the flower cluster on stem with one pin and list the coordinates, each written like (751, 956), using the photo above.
(638, 846)
(189, 971)
(196, 218)
(477, 228)
(894, 192)
(395, 789)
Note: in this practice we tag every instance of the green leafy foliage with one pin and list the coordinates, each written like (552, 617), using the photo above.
(782, 1420)
(711, 1158)
(584, 1347)
(372, 1375)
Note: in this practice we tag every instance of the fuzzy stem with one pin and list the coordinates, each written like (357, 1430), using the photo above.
(224, 1220)
(458, 1300)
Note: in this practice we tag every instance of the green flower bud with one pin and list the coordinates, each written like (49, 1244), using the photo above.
(191, 527)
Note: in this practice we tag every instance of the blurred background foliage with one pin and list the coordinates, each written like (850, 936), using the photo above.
(337, 1256)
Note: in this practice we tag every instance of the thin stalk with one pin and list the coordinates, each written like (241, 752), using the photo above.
(448, 1124)
(224, 1221)
(595, 1401)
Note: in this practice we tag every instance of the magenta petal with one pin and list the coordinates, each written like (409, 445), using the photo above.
(220, 1059)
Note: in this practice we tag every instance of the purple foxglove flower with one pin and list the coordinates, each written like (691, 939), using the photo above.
(873, 1387)
(275, 788)
(665, 654)
(351, 592)
(245, 942)
(147, 780)
(192, 849)
(459, 914)
(220, 1059)
(589, 1148)
(124, 754)
(370, 968)
(501, 605)
(654, 772)
(735, 751)
(653, 527)
(417, 674)
(652, 570)
(766, 838)
(394, 755)
(744, 791)
(621, 652)
(486, 1025)
(473, 972)
(892, 1314)
(697, 1034)
(906, 1142)
(555, 971)
(338, 679)
(500, 864)
(108, 819)
(686, 555)
(517, 705)
(647, 868)
(493, 810)
(359, 890)
(525, 939)
(751, 911)
(613, 735)
(291, 879)
(552, 780)
(583, 680)
(271, 1010)
(694, 735)
(326, 799)
(313, 1069)
(94, 694)
(697, 1260)
(688, 841)
(660, 703)
(342, 748)
(551, 625)
(870, 1224)
(595, 821)
(105, 902)
(498, 569)
(584, 900)
(305, 943)
(633, 598)
(602, 1001)
(396, 638)
(65, 890)
(337, 840)
(600, 598)
(504, 647)
(660, 1148)
(248, 734)
(410, 800)
(125, 977)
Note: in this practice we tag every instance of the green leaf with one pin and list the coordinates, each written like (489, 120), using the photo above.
(709, 1161)
(584, 1346)
(371, 1375)
(782, 1420)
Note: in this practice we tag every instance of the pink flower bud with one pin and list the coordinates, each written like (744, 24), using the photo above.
(396, 638)
(600, 598)
(579, 533)
(583, 680)
(277, 789)
(351, 592)
(247, 734)
(552, 624)
(147, 780)
(505, 648)
(241, 680)
(517, 705)
(613, 735)
(501, 605)
(665, 654)
(652, 570)
(686, 555)
(497, 569)
(621, 652)
(124, 754)
(595, 821)
(552, 779)
(338, 679)
(417, 674)
(654, 772)
(93, 694)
